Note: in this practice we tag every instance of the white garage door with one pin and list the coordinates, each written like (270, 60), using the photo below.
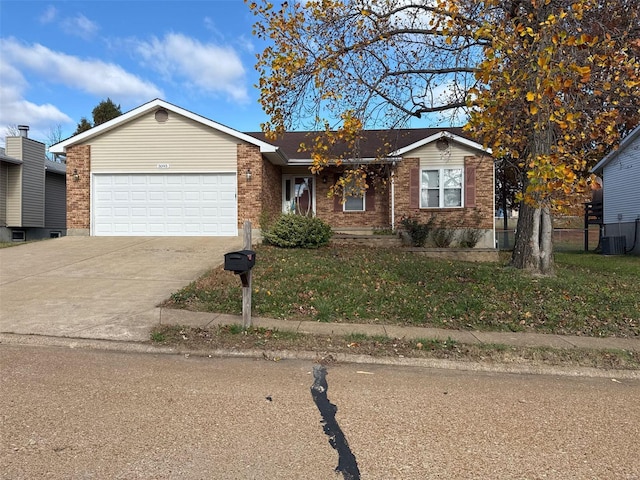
(164, 205)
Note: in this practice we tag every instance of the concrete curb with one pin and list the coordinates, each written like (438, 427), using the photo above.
(471, 337)
(279, 355)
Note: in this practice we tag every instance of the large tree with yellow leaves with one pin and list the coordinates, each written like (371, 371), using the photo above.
(551, 83)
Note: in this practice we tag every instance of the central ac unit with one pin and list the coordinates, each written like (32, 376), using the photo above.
(613, 245)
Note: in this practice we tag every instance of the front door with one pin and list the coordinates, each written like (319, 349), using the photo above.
(298, 195)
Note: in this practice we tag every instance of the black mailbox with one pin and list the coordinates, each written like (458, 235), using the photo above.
(239, 262)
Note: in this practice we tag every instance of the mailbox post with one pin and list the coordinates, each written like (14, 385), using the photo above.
(241, 263)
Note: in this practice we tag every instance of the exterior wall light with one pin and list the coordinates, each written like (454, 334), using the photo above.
(76, 176)
(248, 174)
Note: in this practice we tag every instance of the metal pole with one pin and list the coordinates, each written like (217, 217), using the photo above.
(246, 291)
(586, 227)
(393, 201)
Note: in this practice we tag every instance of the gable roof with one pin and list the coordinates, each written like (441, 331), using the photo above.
(373, 143)
(626, 141)
(269, 150)
(437, 136)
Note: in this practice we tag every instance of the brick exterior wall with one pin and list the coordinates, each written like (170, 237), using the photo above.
(479, 216)
(271, 189)
(376, 216)
(78, 191)
(263, 193)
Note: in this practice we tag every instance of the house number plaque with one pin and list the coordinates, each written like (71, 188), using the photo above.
(163, 165)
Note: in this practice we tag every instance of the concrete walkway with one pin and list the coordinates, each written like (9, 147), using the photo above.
(109, 288)
(520, 339)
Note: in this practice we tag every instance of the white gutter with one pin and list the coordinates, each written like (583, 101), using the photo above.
(393, 200)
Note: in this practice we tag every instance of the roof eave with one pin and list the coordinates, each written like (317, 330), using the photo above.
(275, 156)
(352, 161)
(61, 147)
(55, 167)
(442, 134)
(7, 159)
(599, 167)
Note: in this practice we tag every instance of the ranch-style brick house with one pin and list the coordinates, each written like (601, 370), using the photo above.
(161, 170)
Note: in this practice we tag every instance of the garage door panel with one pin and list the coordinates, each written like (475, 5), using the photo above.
(227, 196)
(151, 180)
(193, 196)
(192, 180)
(117, 196)
(164, 204)
(173, 196)
(135, 196)
(174, 180)
(174, 213)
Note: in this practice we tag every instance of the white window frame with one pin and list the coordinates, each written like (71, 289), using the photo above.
(441, 189)
(288, 205)
(345, 196)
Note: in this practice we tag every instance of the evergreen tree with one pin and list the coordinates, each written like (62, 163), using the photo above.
(103, 112)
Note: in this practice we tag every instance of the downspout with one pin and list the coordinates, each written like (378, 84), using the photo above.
(393, 201)
(635, 236)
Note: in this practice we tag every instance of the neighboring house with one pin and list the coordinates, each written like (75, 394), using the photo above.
(32, 191)
(163, 170)
(620, 173)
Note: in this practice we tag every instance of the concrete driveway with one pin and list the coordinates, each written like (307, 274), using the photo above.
(99, 287)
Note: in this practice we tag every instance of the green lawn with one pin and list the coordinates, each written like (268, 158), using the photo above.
(590, 295)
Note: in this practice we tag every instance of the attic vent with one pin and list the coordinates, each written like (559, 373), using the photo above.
(161, 115)
(442, 144)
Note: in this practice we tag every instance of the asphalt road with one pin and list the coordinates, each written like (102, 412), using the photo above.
(84, 414)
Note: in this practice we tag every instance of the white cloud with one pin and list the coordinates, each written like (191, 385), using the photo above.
(80, 26)
(210, 25)
(95, 77)
(15, 110)
(49, 15)
(205, 67)
(92, 76)
(246, 43)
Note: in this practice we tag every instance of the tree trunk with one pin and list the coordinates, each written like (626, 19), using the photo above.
(533, 250)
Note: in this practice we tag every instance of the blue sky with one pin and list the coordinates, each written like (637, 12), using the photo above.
(59, 59)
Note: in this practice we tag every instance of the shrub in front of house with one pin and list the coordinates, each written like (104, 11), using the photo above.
(418, 232)
(469, 237)
(442, 236)
(298, 231)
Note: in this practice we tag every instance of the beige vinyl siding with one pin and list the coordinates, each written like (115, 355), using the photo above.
(430, 156)
(13, 147)
(25, 203)
(4, 185)
(178, 145)
(14, 195)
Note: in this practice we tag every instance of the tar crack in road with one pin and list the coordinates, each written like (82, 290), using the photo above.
(347, 464)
